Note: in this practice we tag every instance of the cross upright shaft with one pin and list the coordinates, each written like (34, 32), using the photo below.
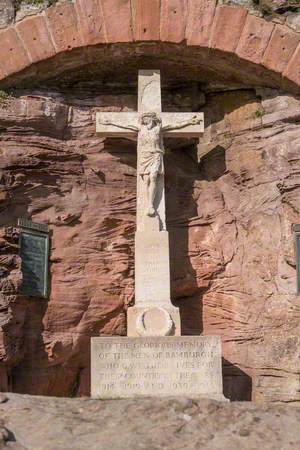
(152, 262)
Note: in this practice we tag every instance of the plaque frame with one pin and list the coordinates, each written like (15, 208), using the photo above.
(27, 227)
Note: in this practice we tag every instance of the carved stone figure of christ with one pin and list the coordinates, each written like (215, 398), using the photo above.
(151, 147)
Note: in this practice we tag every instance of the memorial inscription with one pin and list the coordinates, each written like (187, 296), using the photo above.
(34, 253)
(168, 366)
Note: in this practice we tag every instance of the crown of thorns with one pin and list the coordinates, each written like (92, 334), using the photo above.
(151, 115)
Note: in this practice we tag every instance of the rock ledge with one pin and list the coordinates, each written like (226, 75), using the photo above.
(43, 423)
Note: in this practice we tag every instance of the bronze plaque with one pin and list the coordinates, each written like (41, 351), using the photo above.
(34, 252)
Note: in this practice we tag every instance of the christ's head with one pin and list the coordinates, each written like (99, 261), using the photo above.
(150, 120)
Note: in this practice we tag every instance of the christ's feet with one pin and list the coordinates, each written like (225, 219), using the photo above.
(151, 212)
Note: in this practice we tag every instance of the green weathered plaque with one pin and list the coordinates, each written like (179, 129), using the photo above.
(34, 252)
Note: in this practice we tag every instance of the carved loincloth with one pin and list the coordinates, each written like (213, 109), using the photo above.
(151, 163)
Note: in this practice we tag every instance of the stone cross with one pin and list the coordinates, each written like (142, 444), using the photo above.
(153, 313)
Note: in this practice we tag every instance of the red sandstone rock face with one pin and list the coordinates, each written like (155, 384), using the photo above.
(13, 306)
(231, 204)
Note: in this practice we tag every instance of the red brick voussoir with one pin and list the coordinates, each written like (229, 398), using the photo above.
(82, 23)
(13, 55)
(173, 14)
(117, 20)
(292, 71)
(281, 48)
(254, 39)
(35, 36)
(63, 24)
(199, 22)
(227, 27)
(146, 19)
(91, 21)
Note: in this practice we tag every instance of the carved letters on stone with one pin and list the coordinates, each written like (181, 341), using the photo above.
(141, 367)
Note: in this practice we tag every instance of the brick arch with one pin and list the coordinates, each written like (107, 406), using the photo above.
(269, 50)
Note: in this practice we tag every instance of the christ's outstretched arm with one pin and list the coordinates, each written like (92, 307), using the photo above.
(123, 127)
(185, 123)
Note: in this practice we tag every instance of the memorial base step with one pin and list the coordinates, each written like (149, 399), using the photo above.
(156, 367)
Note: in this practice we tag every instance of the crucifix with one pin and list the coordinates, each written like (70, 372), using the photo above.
(153, 314)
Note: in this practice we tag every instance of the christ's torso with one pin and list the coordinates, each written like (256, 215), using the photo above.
(150, 140)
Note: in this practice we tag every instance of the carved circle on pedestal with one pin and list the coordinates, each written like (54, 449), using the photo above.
(154, 321)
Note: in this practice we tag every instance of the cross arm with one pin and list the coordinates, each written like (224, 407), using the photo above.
(183, 124)
(117, 124)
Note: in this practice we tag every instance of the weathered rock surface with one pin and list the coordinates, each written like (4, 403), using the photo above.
(37, 423)
(278, 6)
(12, 304)
(18, 9)
(7, 13)
(231, 204)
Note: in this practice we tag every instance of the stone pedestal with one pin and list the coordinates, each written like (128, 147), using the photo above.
(156, 366)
